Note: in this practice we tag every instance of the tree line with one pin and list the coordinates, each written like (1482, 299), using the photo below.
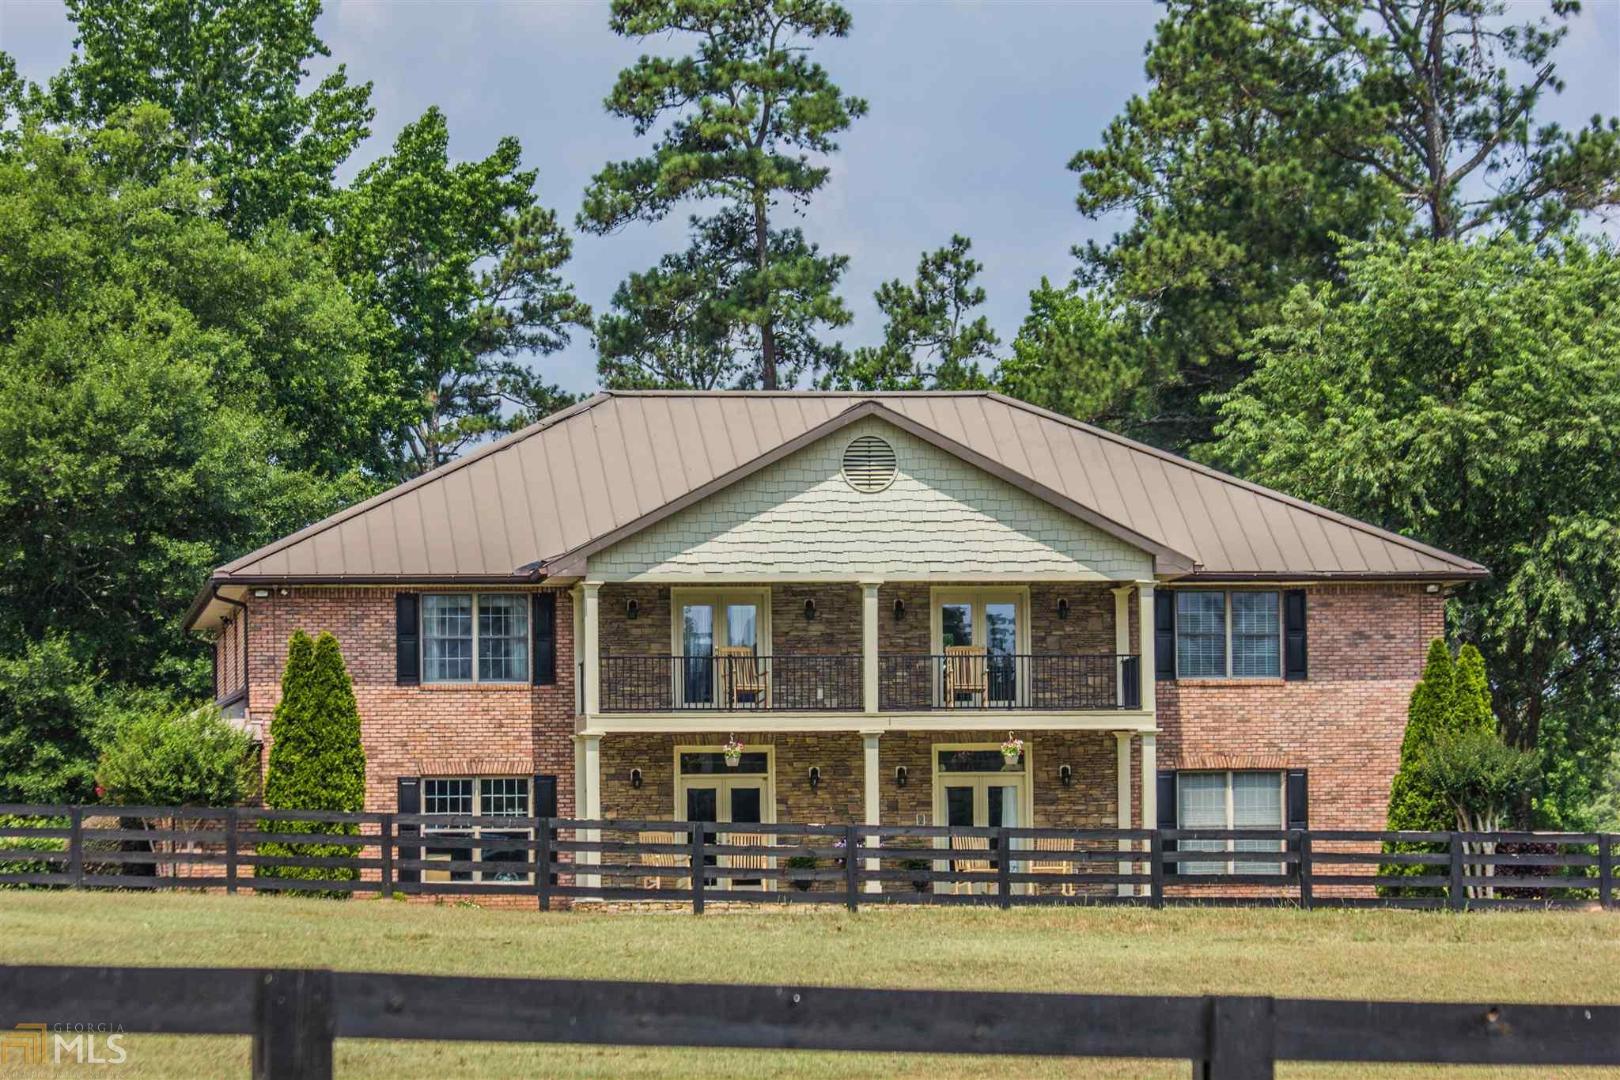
(1358, 265)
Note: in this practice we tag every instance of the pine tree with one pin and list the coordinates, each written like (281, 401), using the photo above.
(316, 760)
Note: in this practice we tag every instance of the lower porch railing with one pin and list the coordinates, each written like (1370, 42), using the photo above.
(544, 860)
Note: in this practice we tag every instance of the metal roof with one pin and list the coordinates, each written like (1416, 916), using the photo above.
(620, 460)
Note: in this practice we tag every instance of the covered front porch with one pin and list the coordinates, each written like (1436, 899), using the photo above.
(1071, 779)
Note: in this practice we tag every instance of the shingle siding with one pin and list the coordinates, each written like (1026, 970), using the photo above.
(940, 517)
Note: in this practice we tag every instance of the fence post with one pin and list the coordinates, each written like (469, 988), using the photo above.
(542, 863)
(1242, 1040)
(852, 868)
(1156, 869)
(1606, 870)
(293, 1026)
(697, 867)
(76, 846)
(1003, 868)
(385, 841)
(1455, 892)
(1303, 868)
(231, 853)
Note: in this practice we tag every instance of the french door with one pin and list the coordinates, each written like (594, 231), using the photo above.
(735, 796)
(974, 788)
(709, 620)
(990, 621)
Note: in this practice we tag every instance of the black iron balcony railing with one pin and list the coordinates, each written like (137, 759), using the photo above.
(708, 683)
(1008, 681)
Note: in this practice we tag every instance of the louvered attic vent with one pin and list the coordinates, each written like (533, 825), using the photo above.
(869, 464)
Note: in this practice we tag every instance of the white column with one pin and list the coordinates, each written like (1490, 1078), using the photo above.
(591, 800)
(1123, 747)
(1144, 591)
(1150, 780)
(1122, 639)
(591, 649)
(869, 647)
(872, 800)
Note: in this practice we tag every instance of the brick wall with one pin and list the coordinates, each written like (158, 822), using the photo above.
(495, 729)
(1344, 723)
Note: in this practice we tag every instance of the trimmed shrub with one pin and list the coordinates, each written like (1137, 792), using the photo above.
(191, 758)
(1453, 698)
(316, 760)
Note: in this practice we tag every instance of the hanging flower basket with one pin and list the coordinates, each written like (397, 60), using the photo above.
(733, 750)
(1011, 751)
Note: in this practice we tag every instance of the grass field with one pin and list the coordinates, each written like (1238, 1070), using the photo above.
(1573, 957)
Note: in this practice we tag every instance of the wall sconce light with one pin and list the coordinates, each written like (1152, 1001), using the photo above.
(635, 779)
(1431, 589)
(261, 594)
(1063, 607)
(632, 608)
(809, 610)
(1065, 775)
(815, 777)
(899, 776)
(899, 609)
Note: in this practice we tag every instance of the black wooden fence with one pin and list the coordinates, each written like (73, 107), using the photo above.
(543, 860)
(294, 1015)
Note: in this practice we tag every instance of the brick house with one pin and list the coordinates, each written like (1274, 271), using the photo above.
(868, 591)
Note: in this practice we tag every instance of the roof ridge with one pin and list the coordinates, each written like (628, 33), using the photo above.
(382, 498)
(1247, 485)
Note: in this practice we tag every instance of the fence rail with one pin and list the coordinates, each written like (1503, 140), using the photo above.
(549, 859)
(294, 1016)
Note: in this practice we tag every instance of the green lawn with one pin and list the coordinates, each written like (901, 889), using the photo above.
(1569, 957)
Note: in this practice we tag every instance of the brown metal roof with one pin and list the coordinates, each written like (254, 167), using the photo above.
(619, 460)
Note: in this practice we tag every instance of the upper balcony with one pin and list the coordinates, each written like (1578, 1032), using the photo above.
(895, 648)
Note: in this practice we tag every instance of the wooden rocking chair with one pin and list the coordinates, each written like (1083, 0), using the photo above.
(741, 674)
(967, 671)
(969, 866)
(760, 862)
(1057, 867)
(660, 858)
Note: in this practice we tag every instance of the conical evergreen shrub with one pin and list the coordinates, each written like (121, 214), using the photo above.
(1451, 698)
(316, 760)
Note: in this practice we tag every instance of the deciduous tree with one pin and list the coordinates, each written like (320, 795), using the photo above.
(460, 266)
(229, 73)
(1468, 395)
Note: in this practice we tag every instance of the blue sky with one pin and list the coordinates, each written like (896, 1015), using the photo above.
(975, 110)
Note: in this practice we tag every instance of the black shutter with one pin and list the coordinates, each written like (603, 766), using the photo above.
(1294, 651)
(1299, 799)
(1164, 635)
(1167, 811)
(544, 629)
(545, 796)
(407, 639)
(409, 802)
(545, 805)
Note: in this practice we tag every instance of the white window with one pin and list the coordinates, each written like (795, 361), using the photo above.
(1221, 635)
(478, 797)
(482, 637)
(1230, 800)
